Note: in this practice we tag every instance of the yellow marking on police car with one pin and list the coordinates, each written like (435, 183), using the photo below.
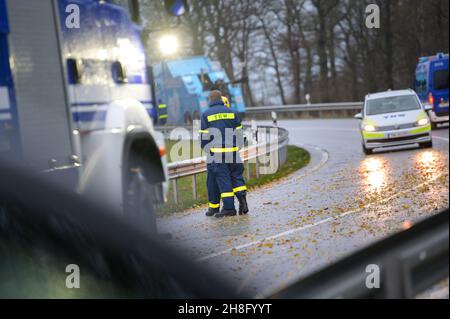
(419, 130)
(421, 116)
(372, 135)
(368, 121)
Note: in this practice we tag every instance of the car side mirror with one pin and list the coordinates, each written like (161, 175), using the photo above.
(358, 116)
(427, 107)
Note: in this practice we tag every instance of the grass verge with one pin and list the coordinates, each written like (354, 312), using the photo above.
(296, 159)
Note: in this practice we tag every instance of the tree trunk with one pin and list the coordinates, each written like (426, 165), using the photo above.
(323, 58)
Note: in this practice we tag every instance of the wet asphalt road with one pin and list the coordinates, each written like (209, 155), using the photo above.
(341, 202)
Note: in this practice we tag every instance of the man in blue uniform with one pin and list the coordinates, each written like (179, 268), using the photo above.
(221, 137)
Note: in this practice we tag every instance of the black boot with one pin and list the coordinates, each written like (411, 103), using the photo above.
(226, 213)
(212, 211)
(243, 206)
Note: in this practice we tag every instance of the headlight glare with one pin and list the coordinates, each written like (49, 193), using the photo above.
(369, 128)
(423, 122)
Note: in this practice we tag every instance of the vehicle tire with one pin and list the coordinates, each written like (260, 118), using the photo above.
(426, 145)
(434, 126)
(139, 200)
(367, 151)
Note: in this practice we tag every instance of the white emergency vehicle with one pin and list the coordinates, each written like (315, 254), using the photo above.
(75, 100)
(394, 118)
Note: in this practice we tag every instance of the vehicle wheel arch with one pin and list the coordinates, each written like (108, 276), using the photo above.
(141, 146)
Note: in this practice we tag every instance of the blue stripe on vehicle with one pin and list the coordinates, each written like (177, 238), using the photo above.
(100, 103)
(96, 116)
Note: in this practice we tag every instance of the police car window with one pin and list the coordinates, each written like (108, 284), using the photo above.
(392, 105)
(441, 80)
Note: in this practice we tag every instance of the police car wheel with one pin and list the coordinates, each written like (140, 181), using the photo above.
(426, 145)
(139, 199)
(367, 151)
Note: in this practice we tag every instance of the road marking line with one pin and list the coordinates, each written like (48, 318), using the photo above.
(321, 222)
(325, 157)
(441, 138)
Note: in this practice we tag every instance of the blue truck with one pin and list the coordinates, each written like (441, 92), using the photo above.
(183, 85)
(431, 85)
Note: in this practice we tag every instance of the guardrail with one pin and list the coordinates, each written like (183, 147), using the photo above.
(313, 110)
(409, 263)
(265, 144)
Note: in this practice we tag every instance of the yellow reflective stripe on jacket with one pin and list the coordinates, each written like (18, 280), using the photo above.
(227, 195)
(164, 116)
(214, 205)
(225, 150)
(240, 189)
(240, 127)
(203, 131)
(162, 106)
(221, 116)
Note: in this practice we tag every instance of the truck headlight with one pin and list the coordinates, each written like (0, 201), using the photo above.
(423, 122)
(369, 128)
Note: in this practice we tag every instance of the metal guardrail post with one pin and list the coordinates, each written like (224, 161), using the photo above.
(194, 186)
(248, 169)
(257, 153)
(257, 167)
(175, 191)
(274, 119)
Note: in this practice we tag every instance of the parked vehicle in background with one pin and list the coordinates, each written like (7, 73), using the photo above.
(185, 84)
(74, 101)
(394, 118)
(432, 88)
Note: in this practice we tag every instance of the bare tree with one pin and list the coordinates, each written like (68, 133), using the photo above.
(324, 8)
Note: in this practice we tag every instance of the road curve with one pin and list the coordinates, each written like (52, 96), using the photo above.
(341, 202)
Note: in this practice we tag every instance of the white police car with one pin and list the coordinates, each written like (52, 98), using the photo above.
(394, 118)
